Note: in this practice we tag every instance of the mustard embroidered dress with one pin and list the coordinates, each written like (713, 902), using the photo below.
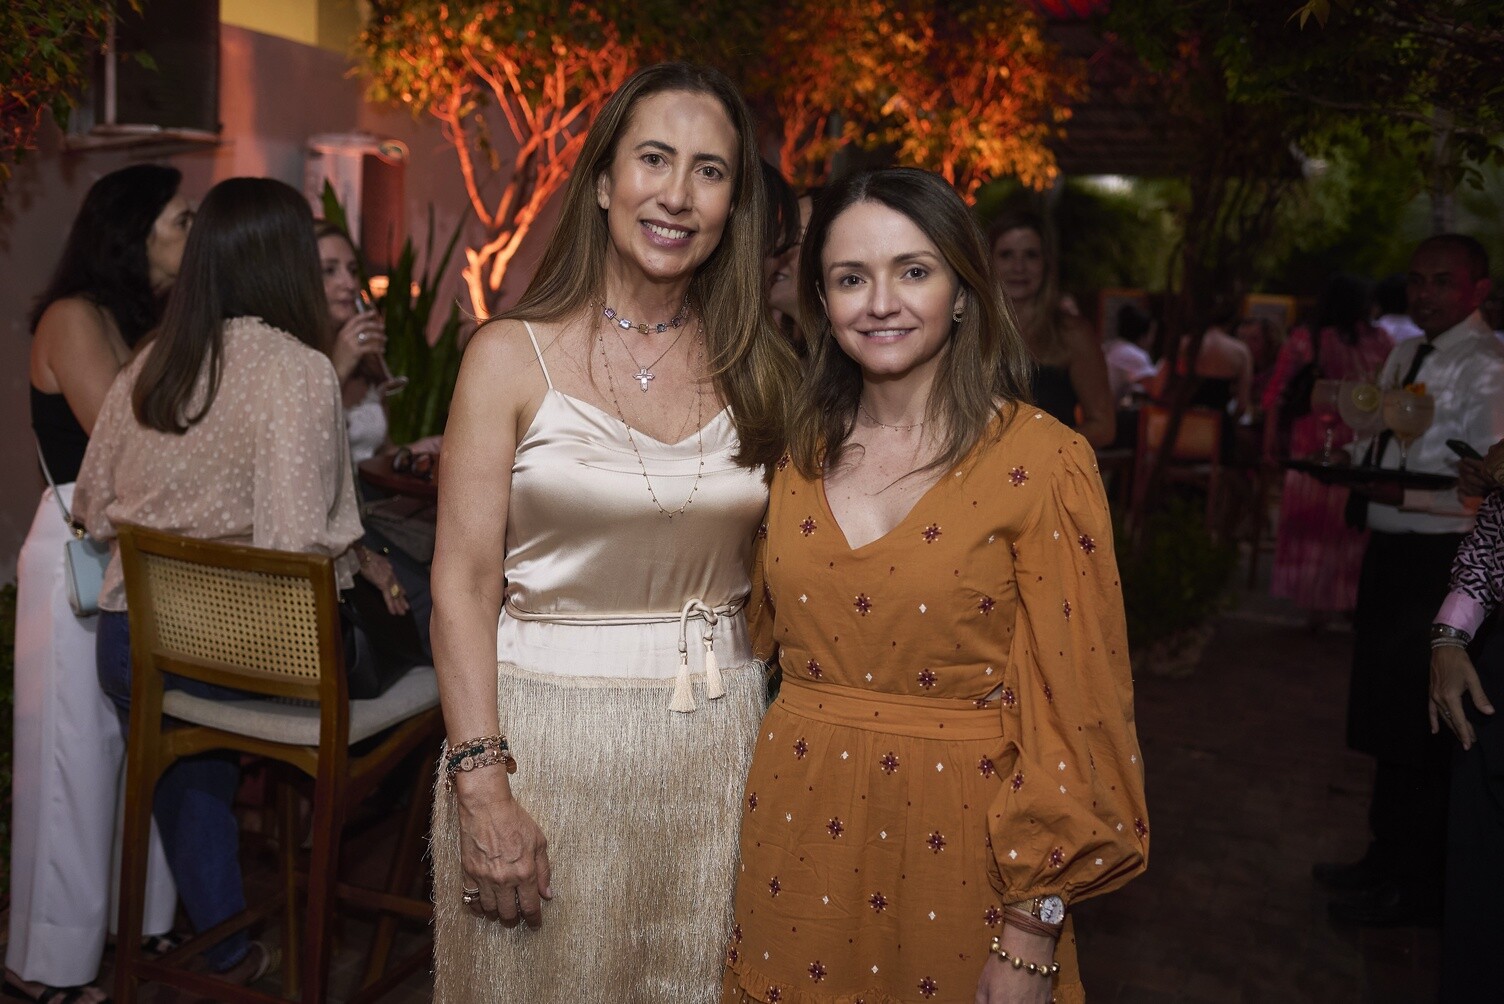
(954, 732)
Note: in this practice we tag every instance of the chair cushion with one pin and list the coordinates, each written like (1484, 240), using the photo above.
(297, 724)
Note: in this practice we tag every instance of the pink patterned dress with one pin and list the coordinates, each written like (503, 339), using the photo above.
(1316, 554)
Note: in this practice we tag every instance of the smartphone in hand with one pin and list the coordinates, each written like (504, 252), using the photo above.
(1463, 450)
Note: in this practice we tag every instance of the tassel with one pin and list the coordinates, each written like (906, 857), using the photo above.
(684, 694)
(715, 688)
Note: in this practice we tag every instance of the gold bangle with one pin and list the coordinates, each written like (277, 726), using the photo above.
(1048, 971)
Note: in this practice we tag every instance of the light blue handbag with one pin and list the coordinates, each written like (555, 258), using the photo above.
(84, 558)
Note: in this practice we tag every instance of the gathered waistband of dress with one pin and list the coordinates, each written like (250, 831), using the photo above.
(896, 714)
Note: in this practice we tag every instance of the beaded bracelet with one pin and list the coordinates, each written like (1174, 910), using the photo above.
(473, 754)
(1033, 968)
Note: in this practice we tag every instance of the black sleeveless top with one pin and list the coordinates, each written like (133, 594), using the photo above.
(1054, 394)
(62, 439)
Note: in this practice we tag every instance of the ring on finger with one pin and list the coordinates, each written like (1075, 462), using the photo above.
(362, 337)
(468, 896)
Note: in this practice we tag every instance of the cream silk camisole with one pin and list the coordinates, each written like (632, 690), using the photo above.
(599, 582)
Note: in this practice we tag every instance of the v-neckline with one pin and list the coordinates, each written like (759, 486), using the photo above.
(836, 522)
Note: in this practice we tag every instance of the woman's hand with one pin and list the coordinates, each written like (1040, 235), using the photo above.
(1002, 984)
(377, 570)
(1452, 675)
(1474, 480)
(362, 335)
(503, 853)
(428, 444)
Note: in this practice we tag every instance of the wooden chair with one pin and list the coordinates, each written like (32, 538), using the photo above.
(1195, 458)
(266, 622)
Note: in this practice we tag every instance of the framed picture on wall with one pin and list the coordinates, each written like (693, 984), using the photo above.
(1279, 309)
(1110, 301)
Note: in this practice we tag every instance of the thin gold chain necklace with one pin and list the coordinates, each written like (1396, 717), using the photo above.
(631, 439)
(898, 428)
(644, 374)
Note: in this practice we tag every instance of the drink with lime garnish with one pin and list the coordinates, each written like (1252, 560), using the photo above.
(1360, 403)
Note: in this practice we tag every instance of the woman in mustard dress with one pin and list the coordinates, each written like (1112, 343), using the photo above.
(952, 757)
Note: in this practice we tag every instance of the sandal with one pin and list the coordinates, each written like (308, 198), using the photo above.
(154, 946)
(53, 995)
(257, 963)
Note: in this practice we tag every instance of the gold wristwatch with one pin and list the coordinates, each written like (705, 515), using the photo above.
(1047, 909)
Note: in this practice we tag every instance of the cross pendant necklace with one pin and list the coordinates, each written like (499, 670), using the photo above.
(644, 374)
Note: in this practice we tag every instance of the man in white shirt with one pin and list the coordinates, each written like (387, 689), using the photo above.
(1129, 367)
(1414, 536)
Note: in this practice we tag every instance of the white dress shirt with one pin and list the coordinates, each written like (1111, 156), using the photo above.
(1399, 328)
(1128, 367)
(1465, 374)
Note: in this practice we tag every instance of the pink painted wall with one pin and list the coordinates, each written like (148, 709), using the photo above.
(274, 94)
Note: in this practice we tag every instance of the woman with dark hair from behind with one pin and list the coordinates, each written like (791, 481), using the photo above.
(1317, 556)
(120, 259)
(1070, 370)
(228, 427)
(951, 762)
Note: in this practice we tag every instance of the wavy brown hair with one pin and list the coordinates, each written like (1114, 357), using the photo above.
(251, 253)
(752, 366)
(983, 366)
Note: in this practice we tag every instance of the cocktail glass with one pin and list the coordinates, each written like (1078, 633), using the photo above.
(1408, 415)
(1360, 404)
(1324, 407)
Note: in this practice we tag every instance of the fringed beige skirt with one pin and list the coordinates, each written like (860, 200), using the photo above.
(641, 807)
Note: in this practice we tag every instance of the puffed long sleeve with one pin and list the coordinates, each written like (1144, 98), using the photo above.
(303, 488)
(1071, 819)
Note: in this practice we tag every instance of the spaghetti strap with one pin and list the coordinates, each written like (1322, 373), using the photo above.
(539, 352)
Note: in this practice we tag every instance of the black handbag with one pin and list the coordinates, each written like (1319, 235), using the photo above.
(380, 647)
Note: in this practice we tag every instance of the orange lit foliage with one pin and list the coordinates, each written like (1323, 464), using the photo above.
(534, 73)
(972, 92)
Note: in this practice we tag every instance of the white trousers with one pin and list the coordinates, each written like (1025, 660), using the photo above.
(67, 792)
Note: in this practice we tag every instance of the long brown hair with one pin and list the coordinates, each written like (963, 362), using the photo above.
(752, 366)
(983, 364)
(251, 252)
(1048, 317)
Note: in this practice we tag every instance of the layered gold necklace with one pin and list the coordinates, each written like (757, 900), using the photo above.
(632, 439)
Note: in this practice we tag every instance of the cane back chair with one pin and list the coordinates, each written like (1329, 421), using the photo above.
(265, 622)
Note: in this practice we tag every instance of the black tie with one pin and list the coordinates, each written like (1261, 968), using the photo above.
(1356, 511)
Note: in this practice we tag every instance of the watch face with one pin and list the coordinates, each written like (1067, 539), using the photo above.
(1052, 910)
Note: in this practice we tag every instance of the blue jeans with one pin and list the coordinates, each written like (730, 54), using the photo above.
(192, 806)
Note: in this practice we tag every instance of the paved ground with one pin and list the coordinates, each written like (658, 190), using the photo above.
(1248, 783)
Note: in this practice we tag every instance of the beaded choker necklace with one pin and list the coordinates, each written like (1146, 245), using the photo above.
(610, 314)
